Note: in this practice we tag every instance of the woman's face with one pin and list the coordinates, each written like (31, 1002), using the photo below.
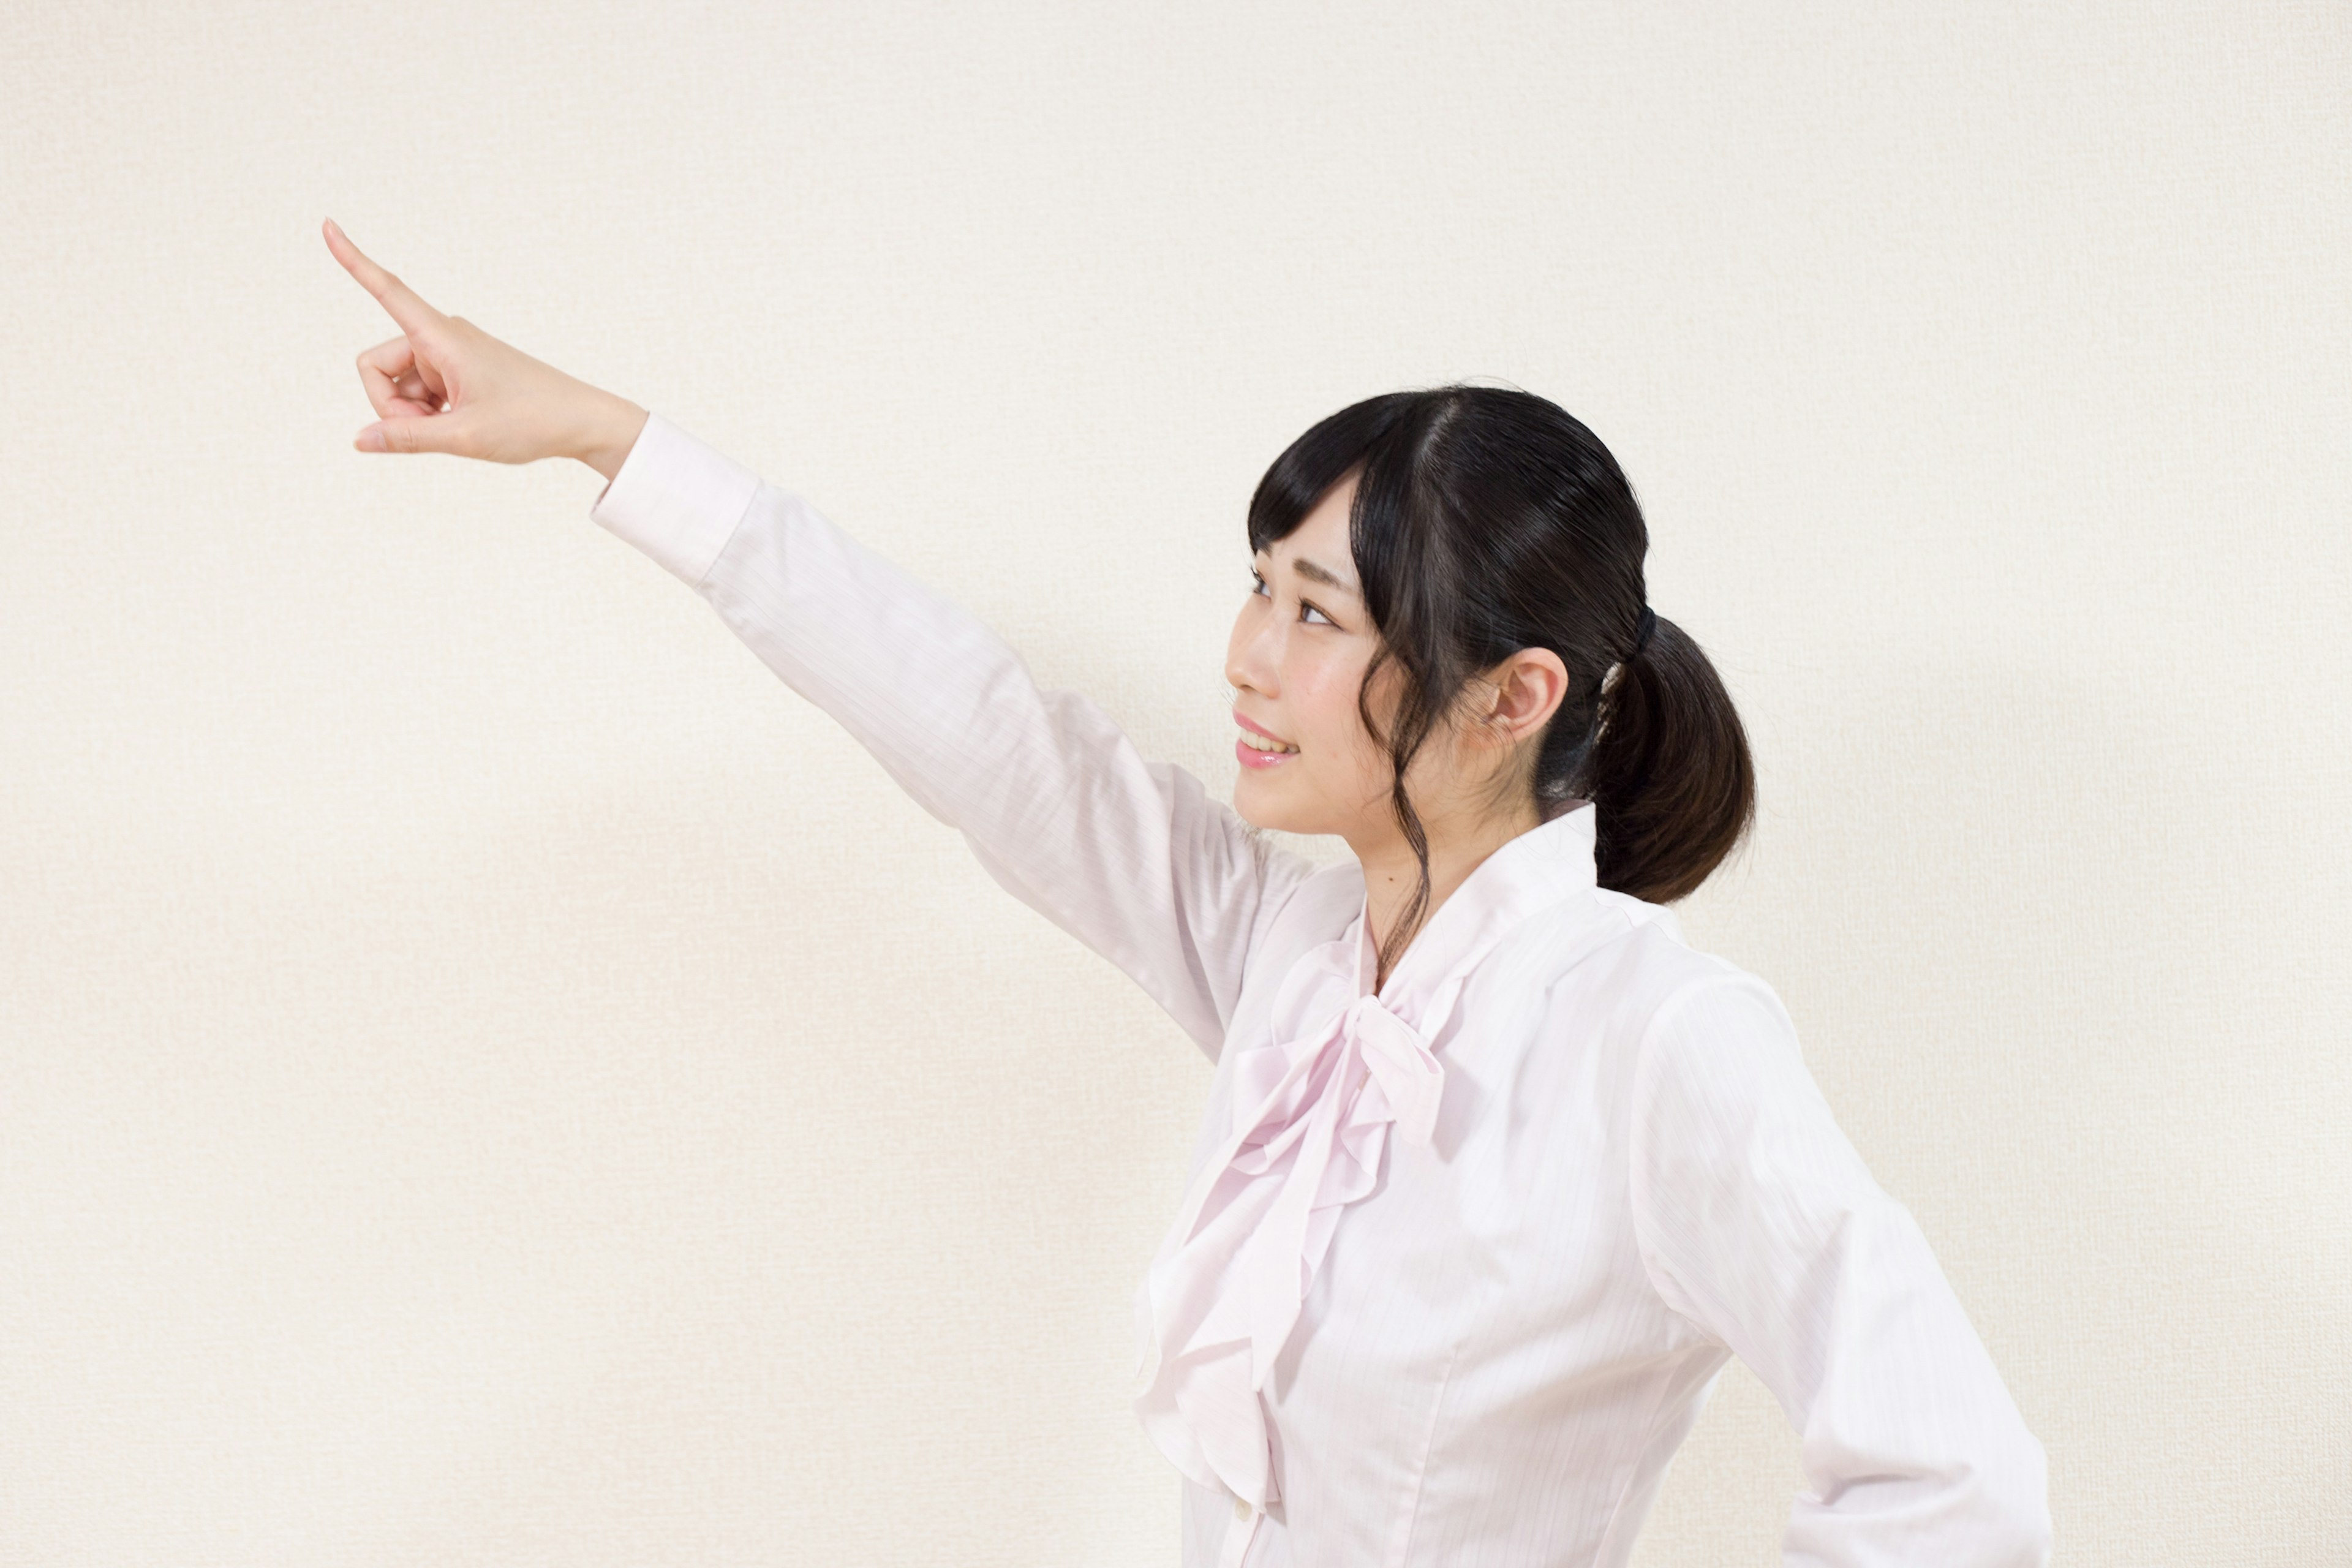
(1300, 649)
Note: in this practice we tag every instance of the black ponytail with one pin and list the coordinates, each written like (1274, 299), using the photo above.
(1488, 520)
(1670, 772)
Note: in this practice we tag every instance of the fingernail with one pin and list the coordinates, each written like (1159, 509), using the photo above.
(371, 439)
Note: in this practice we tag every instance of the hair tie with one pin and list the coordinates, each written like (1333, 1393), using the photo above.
(1642, 630)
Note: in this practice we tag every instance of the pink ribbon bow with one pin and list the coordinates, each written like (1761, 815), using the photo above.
(1311, 1116)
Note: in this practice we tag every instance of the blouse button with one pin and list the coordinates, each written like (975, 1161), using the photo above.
(1241, 1509)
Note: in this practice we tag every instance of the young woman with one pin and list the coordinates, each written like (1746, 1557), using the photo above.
(1496, 1172)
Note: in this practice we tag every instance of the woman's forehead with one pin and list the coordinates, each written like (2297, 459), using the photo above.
(1318, 549)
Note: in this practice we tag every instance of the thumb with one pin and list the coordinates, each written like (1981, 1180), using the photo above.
(427, 435)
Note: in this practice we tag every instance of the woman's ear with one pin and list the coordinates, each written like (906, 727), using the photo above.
(1525, 691)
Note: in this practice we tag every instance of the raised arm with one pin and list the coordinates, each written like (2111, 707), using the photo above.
(1131, 857)
(1758, 1221)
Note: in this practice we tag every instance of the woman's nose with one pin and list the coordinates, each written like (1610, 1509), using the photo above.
(1250, 662)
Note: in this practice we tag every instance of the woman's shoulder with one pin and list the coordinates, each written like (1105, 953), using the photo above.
(1632, 962)
(1629, 1010)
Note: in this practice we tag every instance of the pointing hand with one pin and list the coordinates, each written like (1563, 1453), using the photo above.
(445, 386)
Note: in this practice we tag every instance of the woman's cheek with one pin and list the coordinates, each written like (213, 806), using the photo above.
(1331, 728)
(1320, 709)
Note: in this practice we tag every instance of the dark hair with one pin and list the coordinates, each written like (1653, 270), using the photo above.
(1487, 519)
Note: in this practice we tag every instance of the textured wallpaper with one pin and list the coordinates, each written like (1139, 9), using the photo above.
(487, 1075)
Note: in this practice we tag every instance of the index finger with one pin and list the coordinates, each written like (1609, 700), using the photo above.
(413, 314)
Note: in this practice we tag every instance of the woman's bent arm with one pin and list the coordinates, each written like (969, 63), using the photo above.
(1130, 856)
(1758, 1221)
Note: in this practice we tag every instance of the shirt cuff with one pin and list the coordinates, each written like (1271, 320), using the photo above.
(676, 498)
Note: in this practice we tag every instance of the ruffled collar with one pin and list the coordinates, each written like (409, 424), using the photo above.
(1521, 878)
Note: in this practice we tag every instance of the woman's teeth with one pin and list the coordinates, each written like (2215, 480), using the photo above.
(1257, 743)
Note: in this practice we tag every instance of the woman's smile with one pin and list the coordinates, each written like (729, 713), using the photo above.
(1257, 747)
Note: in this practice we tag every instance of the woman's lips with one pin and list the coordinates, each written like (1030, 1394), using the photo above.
(1256, 728)
(1251, 756)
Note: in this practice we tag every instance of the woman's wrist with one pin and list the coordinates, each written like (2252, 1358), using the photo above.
(610, 433)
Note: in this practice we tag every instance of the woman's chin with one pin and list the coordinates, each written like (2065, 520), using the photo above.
(1261, 808)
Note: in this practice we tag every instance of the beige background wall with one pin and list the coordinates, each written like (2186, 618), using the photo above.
(488, 1075)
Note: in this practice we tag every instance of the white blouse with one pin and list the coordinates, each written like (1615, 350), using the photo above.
(1459, 1262)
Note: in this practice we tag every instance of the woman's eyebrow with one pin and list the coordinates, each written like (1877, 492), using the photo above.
(1314, 571)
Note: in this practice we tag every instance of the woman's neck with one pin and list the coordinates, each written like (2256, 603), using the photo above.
(1456, 849)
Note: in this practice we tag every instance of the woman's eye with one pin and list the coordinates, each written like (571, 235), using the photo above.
(1258, 585)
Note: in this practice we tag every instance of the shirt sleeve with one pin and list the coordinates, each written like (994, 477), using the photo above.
(1758, 1221)
(1131, 857)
